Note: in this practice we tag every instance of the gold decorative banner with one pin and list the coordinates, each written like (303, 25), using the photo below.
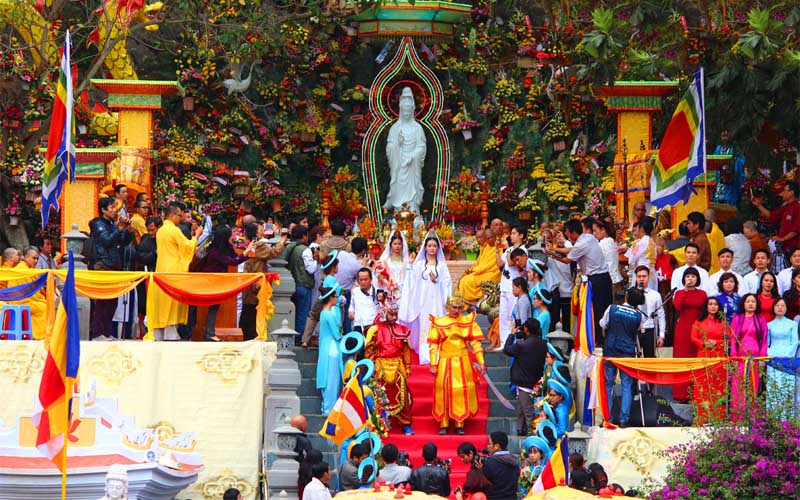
(214, 391)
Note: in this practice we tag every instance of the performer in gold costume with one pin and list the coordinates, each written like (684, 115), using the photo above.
(387, 346)
(450, 338)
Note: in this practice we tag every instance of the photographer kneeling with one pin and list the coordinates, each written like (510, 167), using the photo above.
(622, 325)
(529, 351)
(475, 482)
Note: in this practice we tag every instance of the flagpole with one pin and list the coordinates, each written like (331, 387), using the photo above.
(625, 179)
(64, 462)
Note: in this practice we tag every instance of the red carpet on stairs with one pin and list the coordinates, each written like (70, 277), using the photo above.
(426, 427)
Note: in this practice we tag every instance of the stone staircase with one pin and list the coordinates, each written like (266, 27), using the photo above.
(499, 418)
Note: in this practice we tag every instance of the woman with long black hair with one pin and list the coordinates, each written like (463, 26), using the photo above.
(220, 256)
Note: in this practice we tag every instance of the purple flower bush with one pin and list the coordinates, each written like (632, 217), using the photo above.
(757, 460)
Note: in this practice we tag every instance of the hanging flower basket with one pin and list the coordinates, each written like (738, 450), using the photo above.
(277, 206)
(559, 146)
(217, 148)
(188, 103)
(13, 220)
(467, 133)
(525, 215)
(240, 192)
(234, 151)
(476, 79)
(308, 136)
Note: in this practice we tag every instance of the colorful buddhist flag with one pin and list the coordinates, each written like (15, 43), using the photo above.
(349, 414)
(584, 333)
(682, 155)
(59, 165)
(53, 406)
(556, 471)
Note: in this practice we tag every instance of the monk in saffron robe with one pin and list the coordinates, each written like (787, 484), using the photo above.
(485, 269)
(455, 396)
(175, 253)
(387, 346)
(37, 302)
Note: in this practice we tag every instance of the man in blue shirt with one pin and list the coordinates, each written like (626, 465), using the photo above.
(622, 324)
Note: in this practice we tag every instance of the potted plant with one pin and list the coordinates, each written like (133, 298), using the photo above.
(14, 209)
(527, 206)
(469, 245)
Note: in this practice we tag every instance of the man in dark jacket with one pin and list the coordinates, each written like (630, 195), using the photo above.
(528, 350)
(109, 237)
(622, 325)
(501, 469)
(303, 280)
(348, 473)
(430, 477)
(146, 255)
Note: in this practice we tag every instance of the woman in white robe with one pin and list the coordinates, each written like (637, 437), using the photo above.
(426, 287)
(391, 268)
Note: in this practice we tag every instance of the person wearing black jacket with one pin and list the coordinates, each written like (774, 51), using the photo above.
(501, 468)
(146, 255)
(110, 234)
(528, 350)
(430, 477)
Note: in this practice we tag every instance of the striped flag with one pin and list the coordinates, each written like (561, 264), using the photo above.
(682, 155)
(54, 404)
(556, 471)
(349, 414)
(584, 327)
(59, 164)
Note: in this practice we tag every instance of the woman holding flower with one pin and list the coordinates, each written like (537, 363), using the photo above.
(749, 340)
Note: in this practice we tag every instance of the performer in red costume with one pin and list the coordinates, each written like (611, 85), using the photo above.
(387, 346)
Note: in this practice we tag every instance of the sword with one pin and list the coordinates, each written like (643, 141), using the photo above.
(500, 397)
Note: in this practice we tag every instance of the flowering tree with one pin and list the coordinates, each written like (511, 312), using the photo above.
(758, 461)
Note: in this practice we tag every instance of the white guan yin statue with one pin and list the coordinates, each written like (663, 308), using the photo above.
(405, 149)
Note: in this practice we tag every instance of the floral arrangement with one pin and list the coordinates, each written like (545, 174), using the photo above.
(31, 178)
(182, 146)
(758, 461)
(467, 242)
(239, 239)
(529, 203)
(14, 206)
(271, 191)
(446, 236)
(358, 93)
(346, 199)
(378, 417)
(463, 198)
(556, 130)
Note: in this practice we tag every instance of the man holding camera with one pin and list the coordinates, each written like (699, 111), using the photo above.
(623, 324)
(529, 352)
(501, 469)
(431, 477)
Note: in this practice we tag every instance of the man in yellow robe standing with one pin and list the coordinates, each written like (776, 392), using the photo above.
(449, 339)
(485, 269)
(37, 302)
(175, 253)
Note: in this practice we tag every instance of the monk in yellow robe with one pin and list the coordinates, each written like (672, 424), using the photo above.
(37, 302)
(716, 239)
(449, 339)
(175, 253)
(485, 269)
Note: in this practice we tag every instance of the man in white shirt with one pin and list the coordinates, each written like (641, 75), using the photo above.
(725, 259)
(785, 276)
(392, 473)
(752, 280)
(364, 302)
(317, 489)
(652, 304)
(692, 252)
(558, 278)
(740, 246)
(507, 274)
(589, 257)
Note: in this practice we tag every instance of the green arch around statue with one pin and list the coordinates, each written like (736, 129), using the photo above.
(406, 56)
